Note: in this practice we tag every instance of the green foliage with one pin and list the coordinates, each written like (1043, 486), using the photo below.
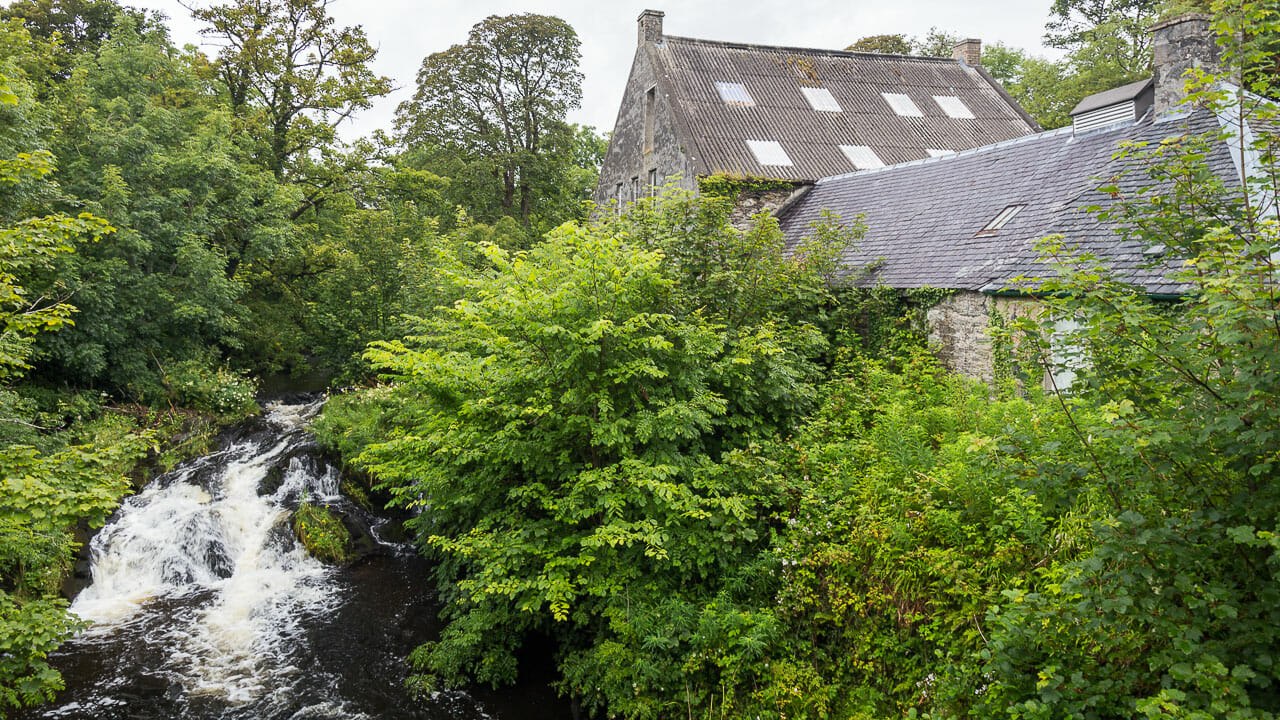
(490, 113)
(936, 43)
(730, 186)
(220, 391)
(895, 44)
(567, 421)
(322, 533)
(289, 75)
(1172, 611)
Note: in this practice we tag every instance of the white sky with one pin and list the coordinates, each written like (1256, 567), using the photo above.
(405, 31)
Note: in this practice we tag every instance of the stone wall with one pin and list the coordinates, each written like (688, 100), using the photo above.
(627, 161)
(750, 203)
(958, 328)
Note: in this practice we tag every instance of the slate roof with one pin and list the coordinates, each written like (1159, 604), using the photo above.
(922, 217)
(774, 77)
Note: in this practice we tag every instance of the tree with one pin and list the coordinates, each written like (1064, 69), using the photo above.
(81, 26)
(495, 107)
(1118, 27)
(566, 420)
(896, 44)
(937, 43)
(290, 73)
(43, 495)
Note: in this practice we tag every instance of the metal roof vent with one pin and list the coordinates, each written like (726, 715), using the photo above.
(1126, 103)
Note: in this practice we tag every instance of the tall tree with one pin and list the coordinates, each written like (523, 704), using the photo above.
(288, 70)
(81, 25)
(893, 44)
(497, 105)
(1121, 27)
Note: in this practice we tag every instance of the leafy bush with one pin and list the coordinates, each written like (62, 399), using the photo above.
(322, 533)
(219, 390)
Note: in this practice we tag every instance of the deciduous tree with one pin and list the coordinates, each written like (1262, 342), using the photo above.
(496, 107)
(290, 72)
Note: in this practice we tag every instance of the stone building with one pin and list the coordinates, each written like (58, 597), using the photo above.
(970, 221)
(694, 108)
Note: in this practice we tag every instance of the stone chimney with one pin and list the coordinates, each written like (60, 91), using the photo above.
(650, 27)
(1179, 44)
(968, 52)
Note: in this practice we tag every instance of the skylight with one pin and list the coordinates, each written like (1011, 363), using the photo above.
(934, 152)
(862, 157)
(734, 93)
(953, 107)
(999, 220)
(769, 152)
(902, 104)
(820, 99)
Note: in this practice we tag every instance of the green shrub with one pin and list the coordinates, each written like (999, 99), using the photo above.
(194, 384)
(322, 533)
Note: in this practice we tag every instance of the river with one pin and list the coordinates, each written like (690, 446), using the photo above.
(204, 606)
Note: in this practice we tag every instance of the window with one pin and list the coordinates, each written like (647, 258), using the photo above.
(999, 220)
(769, 152)
(617, 198)
(862, 157)
(734, 93)
(650, 106)
(653, 182)
(953, 107)
(934, 152)
(902, 104)
(820, 99)
(1067, 358)
(635, 188)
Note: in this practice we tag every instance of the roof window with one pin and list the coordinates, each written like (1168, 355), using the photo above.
(769, 152)
(902, 104)
(734, 93)
(953, 107)
(820, 99)
(862, 157)
(999, 220)
(935, 152)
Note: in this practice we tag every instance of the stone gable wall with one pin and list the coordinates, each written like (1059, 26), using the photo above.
(626, 158)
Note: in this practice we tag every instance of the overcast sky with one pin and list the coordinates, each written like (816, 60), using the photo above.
(405, 31)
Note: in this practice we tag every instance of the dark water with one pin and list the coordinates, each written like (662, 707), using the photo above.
(206, 608)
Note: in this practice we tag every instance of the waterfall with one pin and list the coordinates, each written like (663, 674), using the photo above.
(202, 604)
(206, 530)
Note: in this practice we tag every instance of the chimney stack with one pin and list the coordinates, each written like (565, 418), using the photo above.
(968, 52)
(650, 27)
(1179, 44)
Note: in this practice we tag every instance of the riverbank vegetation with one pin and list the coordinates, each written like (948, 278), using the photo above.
(721, 481)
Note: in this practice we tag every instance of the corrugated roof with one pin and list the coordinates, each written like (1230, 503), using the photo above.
(775, 76)
(922, 217)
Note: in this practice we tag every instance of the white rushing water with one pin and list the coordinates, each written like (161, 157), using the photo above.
(203, 536)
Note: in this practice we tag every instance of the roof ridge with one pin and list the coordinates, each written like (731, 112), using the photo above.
(1042, 135)
(824, 51)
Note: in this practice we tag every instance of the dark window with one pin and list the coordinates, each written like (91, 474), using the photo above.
(650, 109)
(653, 182)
